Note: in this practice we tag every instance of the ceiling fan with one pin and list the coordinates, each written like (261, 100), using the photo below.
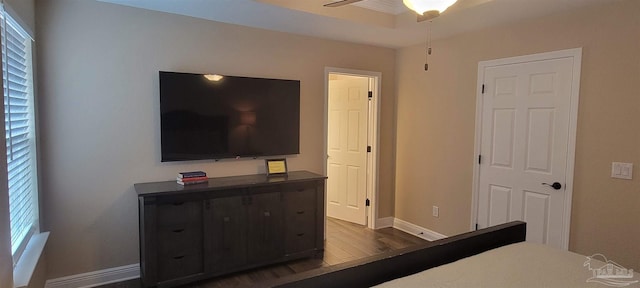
(426, 9)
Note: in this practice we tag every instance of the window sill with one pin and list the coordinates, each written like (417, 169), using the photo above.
(26, 266)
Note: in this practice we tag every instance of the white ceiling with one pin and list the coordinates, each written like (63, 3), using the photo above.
(466, 15)
(394, 7)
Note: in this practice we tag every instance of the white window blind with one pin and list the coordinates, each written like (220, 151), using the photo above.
(17, 76)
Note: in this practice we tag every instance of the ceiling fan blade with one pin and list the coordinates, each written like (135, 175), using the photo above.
(340, 3)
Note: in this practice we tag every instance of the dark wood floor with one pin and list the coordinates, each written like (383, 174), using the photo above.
(345, 242)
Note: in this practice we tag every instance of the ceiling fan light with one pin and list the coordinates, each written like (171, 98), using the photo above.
(421, 6)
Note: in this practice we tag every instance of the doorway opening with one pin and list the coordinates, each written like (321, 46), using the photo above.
(351, 141)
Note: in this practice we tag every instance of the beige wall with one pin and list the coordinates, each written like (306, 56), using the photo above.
(436, 116)
(25, 9)
(99, 113)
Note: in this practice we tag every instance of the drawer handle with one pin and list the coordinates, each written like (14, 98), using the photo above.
(300, 189)
(178, 230)
(267, 213)
(300, 234)
(226, 219)
(178, 257)
(178, 203)
(300, 212)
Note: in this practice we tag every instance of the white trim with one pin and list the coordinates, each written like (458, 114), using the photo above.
(571, 144)
(416, 230)
(576, 54)
(373, 179)
(476, 150)
(26, 266)
(96, 278)
(386, 222)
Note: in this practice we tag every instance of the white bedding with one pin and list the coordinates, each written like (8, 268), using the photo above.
(517, 265)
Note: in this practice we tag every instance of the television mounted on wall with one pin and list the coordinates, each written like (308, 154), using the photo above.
(204, 116)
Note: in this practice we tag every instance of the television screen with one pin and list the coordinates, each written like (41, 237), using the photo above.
(215, 117)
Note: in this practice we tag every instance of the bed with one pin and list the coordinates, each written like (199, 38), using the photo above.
(492, 257)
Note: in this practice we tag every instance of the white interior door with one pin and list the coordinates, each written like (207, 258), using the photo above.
(525, 137)
(347, 148)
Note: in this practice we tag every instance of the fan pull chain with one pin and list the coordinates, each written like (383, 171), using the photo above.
(428, 48)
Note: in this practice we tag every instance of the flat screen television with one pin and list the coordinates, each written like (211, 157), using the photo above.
(216, 117)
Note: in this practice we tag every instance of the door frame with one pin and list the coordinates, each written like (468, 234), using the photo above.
(373, 127)
(576, 54)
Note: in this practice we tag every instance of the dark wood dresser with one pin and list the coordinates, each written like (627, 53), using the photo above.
(189, 233)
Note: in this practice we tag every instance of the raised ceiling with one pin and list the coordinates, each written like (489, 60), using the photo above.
(394, 7)
(383, 23)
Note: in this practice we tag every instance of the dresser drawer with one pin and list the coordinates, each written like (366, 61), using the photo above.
(299, 239)
(300, 200)
(180, 240)
(299, 186)
(171, 267)
(179, 212)
(301, 213)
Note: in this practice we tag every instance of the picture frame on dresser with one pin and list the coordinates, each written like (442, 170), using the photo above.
(276, 167)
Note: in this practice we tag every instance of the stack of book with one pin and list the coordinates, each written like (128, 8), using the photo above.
(194, 177)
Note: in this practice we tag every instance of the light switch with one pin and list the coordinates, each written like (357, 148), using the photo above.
(622, 170)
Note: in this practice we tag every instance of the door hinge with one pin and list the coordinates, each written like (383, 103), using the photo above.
(482, 88)
(370, 94)
(369, 149)
(479, 159)
(367, 202)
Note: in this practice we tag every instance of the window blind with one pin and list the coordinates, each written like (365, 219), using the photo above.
(18, 108)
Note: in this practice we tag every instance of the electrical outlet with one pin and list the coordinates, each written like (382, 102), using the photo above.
(436, 211)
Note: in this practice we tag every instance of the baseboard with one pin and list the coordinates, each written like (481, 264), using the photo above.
(384, 223)
(96, 278)
(416, 230)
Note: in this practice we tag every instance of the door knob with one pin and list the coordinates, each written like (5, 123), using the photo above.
(555, 185)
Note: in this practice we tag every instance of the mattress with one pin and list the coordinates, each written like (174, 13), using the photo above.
(523, 265)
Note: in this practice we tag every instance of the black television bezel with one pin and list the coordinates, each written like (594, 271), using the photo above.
(217, 157)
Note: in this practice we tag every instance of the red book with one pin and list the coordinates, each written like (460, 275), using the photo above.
(193, 179)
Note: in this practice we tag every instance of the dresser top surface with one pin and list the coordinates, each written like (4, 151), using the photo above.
(172, 187)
